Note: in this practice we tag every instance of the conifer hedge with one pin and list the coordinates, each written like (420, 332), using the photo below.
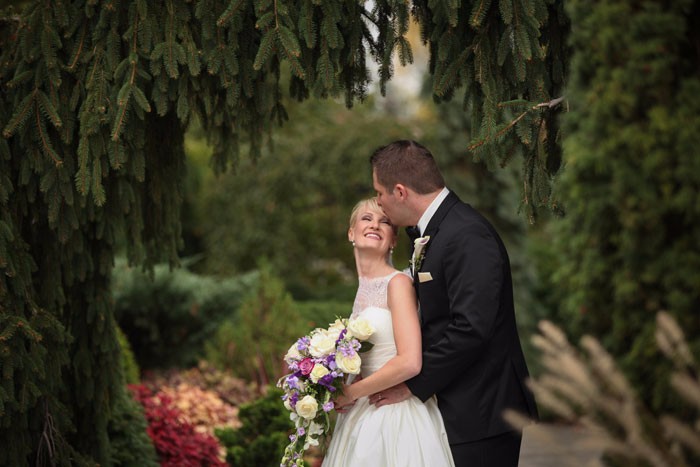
(628, 244)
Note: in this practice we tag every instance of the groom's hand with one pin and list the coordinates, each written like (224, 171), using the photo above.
(392, 395)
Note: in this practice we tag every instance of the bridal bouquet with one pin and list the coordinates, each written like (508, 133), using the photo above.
(319, 363)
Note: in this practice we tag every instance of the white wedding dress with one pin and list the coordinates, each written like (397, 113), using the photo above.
(407, 434)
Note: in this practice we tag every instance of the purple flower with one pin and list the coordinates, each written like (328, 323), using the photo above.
(347, 349)
(301, 431)
(293, 438)
(342, 334)
(328, 406)
(327, 382)
(303, 343)
(293, 382)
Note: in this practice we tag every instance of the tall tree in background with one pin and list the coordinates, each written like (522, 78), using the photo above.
(292, 205)
(96, 98)
(628, 244)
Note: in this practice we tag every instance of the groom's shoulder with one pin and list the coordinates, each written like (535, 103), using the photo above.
(464, 217)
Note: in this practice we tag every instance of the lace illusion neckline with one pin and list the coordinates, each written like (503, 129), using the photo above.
(378, 278)
(371, 292)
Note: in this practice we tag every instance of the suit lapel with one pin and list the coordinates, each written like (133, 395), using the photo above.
(443, 209)
(433, 227)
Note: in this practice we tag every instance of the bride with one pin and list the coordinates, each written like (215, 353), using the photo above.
(410, 433)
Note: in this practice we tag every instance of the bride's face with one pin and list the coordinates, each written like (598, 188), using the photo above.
(372, 230)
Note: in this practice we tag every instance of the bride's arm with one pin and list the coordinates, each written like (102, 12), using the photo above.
(406, 364)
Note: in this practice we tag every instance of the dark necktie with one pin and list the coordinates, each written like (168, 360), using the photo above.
(413, 233)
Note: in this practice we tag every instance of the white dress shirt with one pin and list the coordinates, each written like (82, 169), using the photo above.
(432, 209)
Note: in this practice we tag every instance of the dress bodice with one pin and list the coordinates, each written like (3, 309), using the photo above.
(371, 304)
(372, 292)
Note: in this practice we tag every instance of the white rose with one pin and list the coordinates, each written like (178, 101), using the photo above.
(350, 365)
(292, 354)
(318, 372)
(335, 328)
(307, 407)
(360, 328)
(322, 344)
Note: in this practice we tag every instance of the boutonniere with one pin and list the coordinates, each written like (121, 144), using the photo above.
(418, 252)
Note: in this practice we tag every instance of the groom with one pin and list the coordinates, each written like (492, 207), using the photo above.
(472, 358)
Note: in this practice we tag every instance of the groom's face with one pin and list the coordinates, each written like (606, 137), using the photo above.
(386, 200)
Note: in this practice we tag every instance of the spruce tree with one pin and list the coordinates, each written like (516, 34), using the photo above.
(628, 244)
(96, 96)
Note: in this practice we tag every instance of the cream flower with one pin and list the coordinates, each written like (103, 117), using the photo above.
(360, 328)
(335, 329)
(322, 344)
(307, 407)
(292, 354)
(350, 365)
(418, 252)
(318, 372)
(316, 429)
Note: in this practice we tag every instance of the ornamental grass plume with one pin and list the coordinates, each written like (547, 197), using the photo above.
(586, 386)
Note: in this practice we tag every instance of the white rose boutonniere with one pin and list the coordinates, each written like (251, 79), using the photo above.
(418, 252)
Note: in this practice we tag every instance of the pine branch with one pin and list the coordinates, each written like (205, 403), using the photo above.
(76, 56)
(21, 116)
(551, 104)
(230, 11)
(479, 13)
(45, 143)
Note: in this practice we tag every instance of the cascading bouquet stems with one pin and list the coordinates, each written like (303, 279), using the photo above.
(320, 364)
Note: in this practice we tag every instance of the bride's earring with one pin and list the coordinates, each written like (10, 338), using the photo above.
(353, 243)
(391, 250)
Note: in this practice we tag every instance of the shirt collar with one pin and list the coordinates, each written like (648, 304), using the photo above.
(428, 214)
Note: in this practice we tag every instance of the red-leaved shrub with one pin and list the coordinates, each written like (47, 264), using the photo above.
(176, 441)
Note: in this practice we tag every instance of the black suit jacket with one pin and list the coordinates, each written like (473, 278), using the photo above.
(472, 358)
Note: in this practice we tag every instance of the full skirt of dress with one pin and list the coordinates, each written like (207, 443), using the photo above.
(408, 434)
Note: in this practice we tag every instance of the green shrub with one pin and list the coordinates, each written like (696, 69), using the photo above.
(263, 435)
(132, 374)
(168, 317)
(253, 345)
(130, 445)
(320, 313)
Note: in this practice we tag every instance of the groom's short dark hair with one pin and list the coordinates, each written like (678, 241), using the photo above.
(409, 163)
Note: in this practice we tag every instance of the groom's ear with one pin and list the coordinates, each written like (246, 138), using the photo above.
(400, 191)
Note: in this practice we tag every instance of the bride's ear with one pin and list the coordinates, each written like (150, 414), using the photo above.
(351, 235)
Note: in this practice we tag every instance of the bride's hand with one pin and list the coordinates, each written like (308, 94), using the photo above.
(342, 402)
